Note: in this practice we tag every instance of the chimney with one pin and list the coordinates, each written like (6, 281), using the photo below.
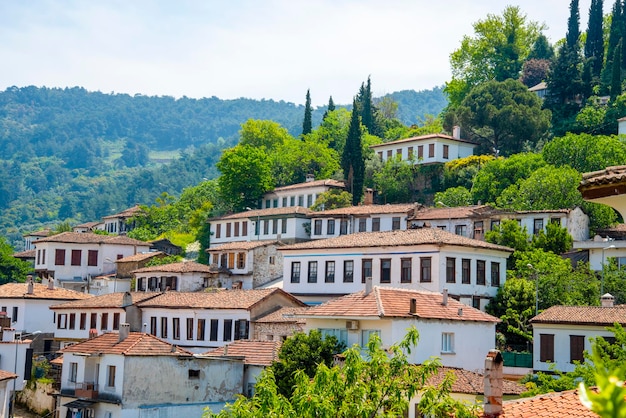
(493, 384)
(413, 306)
(607, 300)
(50, 283)
(460, 311)
(444, 300)
(124, 331)
(456, 132)
(368, 285)
(31, 286)
(127, 299)
(226, 350)
(93, 333)
(368, 197)
(310, 178)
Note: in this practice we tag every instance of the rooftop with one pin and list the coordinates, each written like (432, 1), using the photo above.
(307, 184)
(243, 245)
(258, 353)
(422, 138)
(126, 213)
(182, 267)
(284, 315)
(91, 238)
(109, 300)
(582, 315)
(140, 257)
(5, 375)
(136, 344)
(40, 291)
(25, 254)
(472, 383)
(262, 213)
(564, 404)
(365, 210)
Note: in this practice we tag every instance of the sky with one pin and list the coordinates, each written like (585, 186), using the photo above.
(259, 49)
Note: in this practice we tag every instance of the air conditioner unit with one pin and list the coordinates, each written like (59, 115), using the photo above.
(352, 325)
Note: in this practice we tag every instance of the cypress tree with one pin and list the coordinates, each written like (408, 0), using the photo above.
(352, 161)
(331, 107)
(616, 80)
(573, 26)
(594, 45)
(542, 50)
(307, 125)
(615, 34)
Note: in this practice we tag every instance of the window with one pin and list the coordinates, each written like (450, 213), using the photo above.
(231, 260)
(92, 257)
(218, 231)
(405, 272)
(190, 328)
(193, 374)
(362, 224)
(116, 320)
(93, 320)
(283, 227)
(111, 376)
(546, 347)
(385, 270)
(576, 348)
(340, 333)
(272, 260)
(72, 321)
(176, 328)
(228, 329)
(163, 327)
(410, 153)
(495, 274)
(495, 224)
(266, 227)
(301, 200)
(284, 202)
(104, 323)
(480, 272)
(425, 267)
(201, 329)
(380, 155)
(153, 325)
(59, 257)
(312, 278)
(420, 152)
(73, 372)
(213, 332)
(241, 261)
(292, 201)
(330, 227)
(476, 302)
(343, 227)
(83, 321)
(244, 229)
(431, 150)
(348, 271)
(236, 229)
(15, 311)
(330, 272)
(399, 152)
(460, 230)
(268, 204)
(450, 270)
(241, 329)
(445, 151)
(395, 223)
(309, 200)
(275, 226)
(366, 334)
(62, 322)
(389, 154)
(295, 272)
(227, 229)
(465, 271)
(366, 269)
(275, 203)
(447, 342)
(375, 224)
(76, 255)
(556, 221)
(537, 226)
(478, 230)
(317, 227)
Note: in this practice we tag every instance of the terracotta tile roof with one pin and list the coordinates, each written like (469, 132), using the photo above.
(613, 174)
(41, 233)
(258, 353)
(136, 344)
(459, 212)
(473, 383)
(126, 213)
(88, 224)
(564, 404)
(422, 138)
(26, 254)
(315, 183)
(365, 210)
(582, 315)
(5, 375)
(387, 302)
(91, 238)
(57, 361)
(433, 236)
(284, 315)
(182, 267)
(109, 300)
(40, 291)
(222, 299)
(140, 257)
(243, 245)
(262, 213)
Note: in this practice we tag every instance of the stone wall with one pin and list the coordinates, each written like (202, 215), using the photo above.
(264, 271)
(275, 331)
(37, 397)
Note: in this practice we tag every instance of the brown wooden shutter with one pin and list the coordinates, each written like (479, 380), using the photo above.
(546, 342)
(576, 348)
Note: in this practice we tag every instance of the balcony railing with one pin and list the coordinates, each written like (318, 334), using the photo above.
(86, 390)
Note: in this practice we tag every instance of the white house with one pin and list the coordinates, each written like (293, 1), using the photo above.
(202, 320)
(71, 259)
(88, 227)
(450, 330)
(133, 375)
(119, 223)
(425, 149)
(365, 218)
(6, 386)
(30, 238)
(421, 259)
(562, 333)
(186, 276)
(601, 250)
(245, 264)
(300, 194)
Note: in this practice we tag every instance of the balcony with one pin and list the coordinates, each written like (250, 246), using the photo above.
(87, 390)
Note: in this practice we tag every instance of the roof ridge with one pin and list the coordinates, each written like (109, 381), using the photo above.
(379, 303)
(137, 340)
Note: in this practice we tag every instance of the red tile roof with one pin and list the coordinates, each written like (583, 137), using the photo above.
(258, 353)
(387, 302)
(136, 344)
(41, 233)
(472, 383)
(126, 213)
(109, 300)
(610, 175)
(314, 183)
(432, 236)
(365, 210)
(243, 245)
(422, 138)
(25, 254)
(284, 315)
(262, 213)
(459, 212)
(140, 257)
(40, 291)
(182, 267)
(5, 375)
(582, 315)
(91, 238)
(550, 405)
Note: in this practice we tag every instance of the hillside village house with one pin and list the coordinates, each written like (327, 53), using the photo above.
(280, 324)
(299, 194)
(88, 227)
(420, 259)
(202, 320)
(30, 238)
(6, 386)
(562, 333)
(459, 334)
(185, 276)
(119, 223)
(133, 375)
(71, 259)
(126, 265)
(425, 149)
(246, 265)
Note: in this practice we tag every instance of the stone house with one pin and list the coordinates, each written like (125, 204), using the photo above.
(126, 265)
(185, 276)
(280, 324)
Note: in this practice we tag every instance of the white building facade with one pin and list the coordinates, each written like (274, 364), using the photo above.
(432, 148)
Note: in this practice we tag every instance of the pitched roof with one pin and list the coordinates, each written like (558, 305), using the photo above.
(126, 213)
(88, 224)
(564, 404)
(258, 353)
(182, 267)
(387, 302)
(610, 175)
(458, 212)
(284, 315)
(5, 375)
(422, 138)
(243, 245)
(25, 254)
(582, 315)
(91, 238)
(109, 300)
(432, 236)
(314, 183)
(136, 344)
(262, 213)
(364, 210)
(222, 299)
(40, 291)
(472, 383)
(140, 257)
(40, 233)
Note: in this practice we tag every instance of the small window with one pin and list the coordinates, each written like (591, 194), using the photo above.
(228, 330)
(362, 224)
(480, 272)
(476, 302)
(450, 270)
(153, 325)
(76, 256)
(425, 268)
(59, 257)
(176, 328)
(284, 202)
(312, 278)
(366, 269)
(343, 227)
(301, 200)
(395, 223)
(111, 376)
(236, 229)
(445, 151)
(163, 327)
(83, 321)
(190, 328)
(546, 347)
(218, 231)
(410, 153)
(389, 154)
(537, 226)
(495, 274)
(244, 229)
(375, 224)
(447, 342)
(466, 271)
(73, 372)
(309, 201)
(385, 270)
(92, 257)
(272, 260)
(194, 374)
(330, 272)
(241, 261)
(283, 226)
(116, 320)
(72, 321)
(295, 272)
(214, 328)
(266, 227)
(292, 201)
(576, 348)
(405, 272)
(227, 229)
(431, 150)
(15, 311)
(62, 322)
(420, 152)
(201, 329)
(317, 227)
(348, 271)
(330, 227)
(460, 230)
(275, 226)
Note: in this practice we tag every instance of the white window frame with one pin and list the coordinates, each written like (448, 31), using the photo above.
(447, 342)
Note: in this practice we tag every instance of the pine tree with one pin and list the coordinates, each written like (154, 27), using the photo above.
(367, 109)
(594, 45)
(307, 125)
(615, 34)
(542, 50)
(352, 161)
(331, 107)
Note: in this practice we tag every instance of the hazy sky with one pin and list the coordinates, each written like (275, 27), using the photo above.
(272, 49)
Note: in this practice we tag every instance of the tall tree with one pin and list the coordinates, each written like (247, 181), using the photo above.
(352, 161)
(616, 74)
(366, 108)
(330, 108)
(594, 44)
(307, 124)
(541, 50)
(11, 269)
(615, 34)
